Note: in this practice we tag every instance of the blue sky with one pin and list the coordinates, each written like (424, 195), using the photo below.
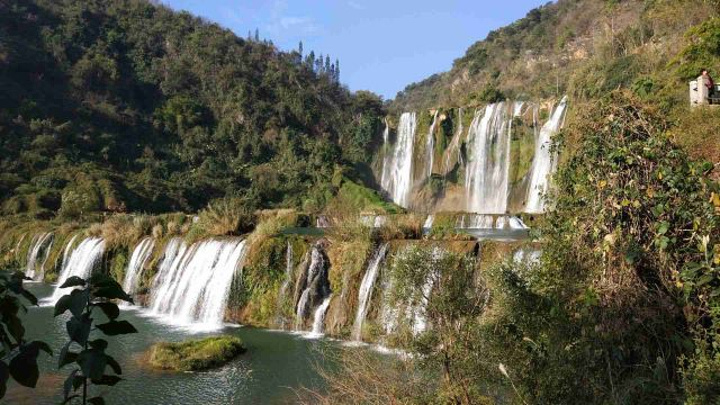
(382, 45)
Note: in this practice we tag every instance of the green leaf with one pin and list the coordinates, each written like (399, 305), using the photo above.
(66, 356)
(69, 399)
(42, 346)
(663, 228)
(79, 329)
(24, 368)
(110, 309)
(107, 380)
(114, 328)
(112, 291)
(75, 302)
(73, 281)
(113, 364)
(68, 385)
(99, 344)
(30, 297)
(97, 400)
(4, 377)
(62, 304)
(92, 363)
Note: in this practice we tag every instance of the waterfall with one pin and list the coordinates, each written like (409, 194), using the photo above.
(193, 284)
(319, 319)
(314, 270)
(289, 258)
(487, 172)
(475, 221)
(517, 223)
(430, 146)
(543, 162)
(454, 147)
(501, 222)
(81, 263)
(41, 245)
(397, 171)
(429, 222)
(138, 260)
(366, 289)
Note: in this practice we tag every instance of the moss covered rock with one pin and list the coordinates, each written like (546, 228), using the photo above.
(196, 355)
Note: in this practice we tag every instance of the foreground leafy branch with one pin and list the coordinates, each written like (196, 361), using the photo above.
(18, 358)
(91, 362)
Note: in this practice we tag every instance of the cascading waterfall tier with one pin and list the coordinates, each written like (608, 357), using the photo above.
(314, 286)
(498, 164)
(319, 318)
(397, 172)
(38, 255)
(487, 171)
(140, 255)
(543, 162)
(80, 263)
(193, 283)
(282, 294)
(366, 290)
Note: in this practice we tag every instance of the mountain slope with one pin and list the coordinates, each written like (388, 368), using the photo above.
(127, 105)
(583, 48)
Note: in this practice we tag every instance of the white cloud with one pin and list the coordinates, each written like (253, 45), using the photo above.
(355, 5)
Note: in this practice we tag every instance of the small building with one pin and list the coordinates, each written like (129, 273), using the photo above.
(699, 94)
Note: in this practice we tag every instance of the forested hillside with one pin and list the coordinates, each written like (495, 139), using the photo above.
(583, 48)
(129, 106)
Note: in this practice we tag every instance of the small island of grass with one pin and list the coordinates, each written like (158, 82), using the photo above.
(195, 355)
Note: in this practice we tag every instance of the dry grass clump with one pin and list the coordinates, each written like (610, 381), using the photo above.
(224, 217)
(403, 226)
(363, 377)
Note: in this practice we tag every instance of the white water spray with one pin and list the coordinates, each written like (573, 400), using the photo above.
(366, 289)
(487, 171)
(41, 245)
(80, 263)
(138, 260)
(543, 162)
(319, 319)
(193, 284)
(397, 171)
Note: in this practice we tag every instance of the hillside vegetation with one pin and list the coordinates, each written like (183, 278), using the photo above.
(583, 48)
(129, 106)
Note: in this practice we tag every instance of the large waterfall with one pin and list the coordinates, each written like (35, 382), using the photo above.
(366, 289)
(543, 161)
(430, 147)
(40, 246)
(498, 164)
(138, 260)
(193, 284)
(487, 171)
(397, 172)
(80, 263)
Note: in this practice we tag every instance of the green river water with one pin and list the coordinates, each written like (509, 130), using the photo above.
(276, 366)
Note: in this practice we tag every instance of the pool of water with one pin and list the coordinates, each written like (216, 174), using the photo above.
(276, 366)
